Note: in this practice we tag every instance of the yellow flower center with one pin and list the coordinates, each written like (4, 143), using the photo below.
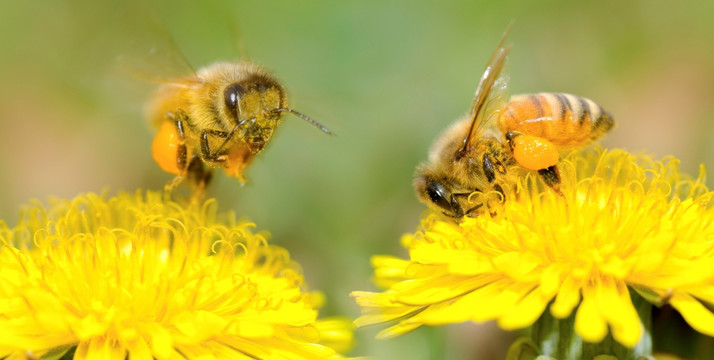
(140, 276)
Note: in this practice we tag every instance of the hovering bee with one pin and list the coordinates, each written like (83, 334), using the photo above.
(221, 117)
(471, 157)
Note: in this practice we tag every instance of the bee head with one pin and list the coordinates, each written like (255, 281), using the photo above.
(438, 195)
(254, 106)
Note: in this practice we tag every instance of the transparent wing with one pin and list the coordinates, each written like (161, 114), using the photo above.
(491, 95)
(496, 100)
(147, 50)
(128, 37)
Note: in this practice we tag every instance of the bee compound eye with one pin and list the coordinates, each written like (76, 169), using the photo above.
(439, 195)
(232, 96)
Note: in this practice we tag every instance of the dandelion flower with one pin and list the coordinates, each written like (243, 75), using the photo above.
(626, 224)
(139, 277)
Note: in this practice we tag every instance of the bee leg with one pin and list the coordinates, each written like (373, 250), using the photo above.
(216, 155)
(199, 176)
(488, 168)
(215, 158)
(473, 210)
(495, 202)
(510, 136)
(181, 153)
(227, 137)
(551, 177)
(456, 205)
(491, 166)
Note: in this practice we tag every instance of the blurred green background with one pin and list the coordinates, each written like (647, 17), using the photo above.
(386, 76)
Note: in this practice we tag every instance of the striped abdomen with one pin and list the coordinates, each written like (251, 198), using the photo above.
(566, 120)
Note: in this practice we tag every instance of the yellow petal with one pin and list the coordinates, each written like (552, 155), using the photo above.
(254, 329)
(396, 330)
(459, 261)
(589, 323)
(90, 327)
(525, 312)
(377, 315)
(100, 348)
(139, 350)
(336, 333)
(696, 314)
(458, 310)
(439, 289)
(567, 298)
(372, 299)
(517, 265)
(161, 342)
(616, 306)
(383, 261)
(550, 281)
(486, 303)
(500, 299)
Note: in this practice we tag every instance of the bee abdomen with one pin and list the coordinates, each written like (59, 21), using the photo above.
(566, 120)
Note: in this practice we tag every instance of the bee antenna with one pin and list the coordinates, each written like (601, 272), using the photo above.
(306, 118)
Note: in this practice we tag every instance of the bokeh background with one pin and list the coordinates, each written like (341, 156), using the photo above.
(386, 76)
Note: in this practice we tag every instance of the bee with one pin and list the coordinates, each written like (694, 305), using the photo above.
(474, 156)
(220, 117)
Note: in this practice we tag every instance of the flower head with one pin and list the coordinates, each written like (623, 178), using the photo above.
(138, 276)
(625, 223)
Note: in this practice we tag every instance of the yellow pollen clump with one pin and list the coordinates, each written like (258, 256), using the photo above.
(164, 148)
(534, 153)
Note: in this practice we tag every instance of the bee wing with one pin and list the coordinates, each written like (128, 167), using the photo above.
(491, 94)
(496, 99)
(145, 48)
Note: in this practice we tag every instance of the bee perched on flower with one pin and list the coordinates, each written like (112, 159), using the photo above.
(139, 277)
(627, 230)
(580, 247)
(471, 163)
